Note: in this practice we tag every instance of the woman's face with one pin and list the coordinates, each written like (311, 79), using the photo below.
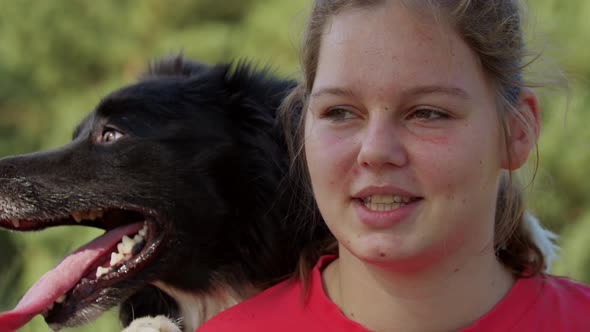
(402, 139)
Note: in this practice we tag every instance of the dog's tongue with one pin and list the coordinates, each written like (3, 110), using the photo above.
(62, 278)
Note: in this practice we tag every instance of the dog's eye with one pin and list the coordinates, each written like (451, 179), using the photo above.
(110, 135)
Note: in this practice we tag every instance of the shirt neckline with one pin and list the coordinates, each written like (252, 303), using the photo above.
(502, 317)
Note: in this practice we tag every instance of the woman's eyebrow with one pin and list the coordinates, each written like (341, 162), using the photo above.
(437, 89)
(415, 91)
(333, 91)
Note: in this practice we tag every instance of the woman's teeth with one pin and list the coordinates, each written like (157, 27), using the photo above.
(386, 202)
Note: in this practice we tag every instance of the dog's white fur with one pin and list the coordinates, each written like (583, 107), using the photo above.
(197, 309)
(153, 324)
(543, 238)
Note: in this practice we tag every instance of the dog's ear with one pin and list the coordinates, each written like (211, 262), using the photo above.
(174, 65)
(246, 81)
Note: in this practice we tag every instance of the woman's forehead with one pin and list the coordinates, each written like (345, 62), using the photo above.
(393, 44)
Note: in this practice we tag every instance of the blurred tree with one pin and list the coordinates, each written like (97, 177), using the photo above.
(560, 195)
(11, 261)
(576, 261)
(57, 58)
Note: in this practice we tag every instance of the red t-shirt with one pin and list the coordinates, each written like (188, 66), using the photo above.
(536, 304)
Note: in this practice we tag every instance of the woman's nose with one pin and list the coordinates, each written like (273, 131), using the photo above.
(382, 146)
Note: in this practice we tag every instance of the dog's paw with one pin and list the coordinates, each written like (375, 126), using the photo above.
(153, 324)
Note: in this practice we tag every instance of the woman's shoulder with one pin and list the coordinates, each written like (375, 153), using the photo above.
(567, 292)
(283, 307)
(259, 313)
(540, 303)
(560, 304)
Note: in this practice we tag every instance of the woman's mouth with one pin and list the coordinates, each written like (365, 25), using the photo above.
(383, 211)
(387, 202)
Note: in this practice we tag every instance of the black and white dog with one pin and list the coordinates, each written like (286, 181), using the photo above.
(186, 173)
(185, 170)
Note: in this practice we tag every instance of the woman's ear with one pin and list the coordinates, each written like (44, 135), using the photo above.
(522, 130)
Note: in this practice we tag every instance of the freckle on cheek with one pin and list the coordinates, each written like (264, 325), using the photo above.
(382, 254)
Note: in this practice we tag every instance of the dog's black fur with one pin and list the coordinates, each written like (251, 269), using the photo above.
(201, 158)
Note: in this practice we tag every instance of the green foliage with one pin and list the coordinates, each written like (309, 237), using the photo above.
(576, 261)
(58, 58)
(12, 262)
(560, 195)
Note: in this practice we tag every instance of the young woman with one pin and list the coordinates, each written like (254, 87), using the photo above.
(415, 114)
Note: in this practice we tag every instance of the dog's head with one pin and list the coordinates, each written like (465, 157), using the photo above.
(182, 169)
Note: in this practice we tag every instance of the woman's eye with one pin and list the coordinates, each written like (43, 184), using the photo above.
(339, 114)
(110, 136)
(428, 114)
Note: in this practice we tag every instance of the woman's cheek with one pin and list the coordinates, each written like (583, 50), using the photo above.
(453, 166)
(439, 163)
(330, 153)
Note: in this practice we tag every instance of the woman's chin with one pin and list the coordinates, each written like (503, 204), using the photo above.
(391, 251)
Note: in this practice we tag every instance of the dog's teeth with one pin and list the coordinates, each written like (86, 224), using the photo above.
(15, 222)
(61, 299)
(120, 247)
(126, 245)
(50, 307)
(137, 248)
(143, 231)
(101, 271)
(77, 216)
(116, 258)
(126, 239)
(94, 214)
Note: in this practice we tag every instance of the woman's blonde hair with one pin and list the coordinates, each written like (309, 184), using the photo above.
(492, 29)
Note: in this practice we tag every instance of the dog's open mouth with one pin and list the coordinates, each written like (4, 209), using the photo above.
(83, 277)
